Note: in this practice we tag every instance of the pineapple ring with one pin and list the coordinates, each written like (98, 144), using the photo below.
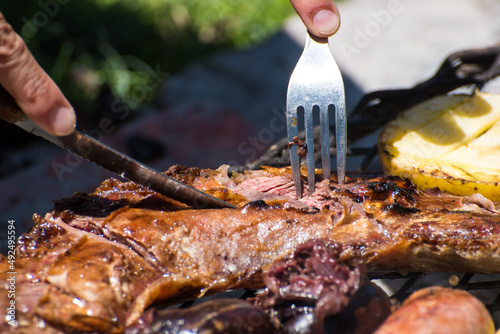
(451, 142)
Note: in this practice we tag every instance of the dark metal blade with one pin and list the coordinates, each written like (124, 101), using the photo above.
(104, 156)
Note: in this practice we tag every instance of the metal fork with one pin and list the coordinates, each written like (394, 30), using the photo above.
(316, 82)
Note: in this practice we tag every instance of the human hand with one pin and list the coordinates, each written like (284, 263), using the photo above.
(32, 88)
(321, 17)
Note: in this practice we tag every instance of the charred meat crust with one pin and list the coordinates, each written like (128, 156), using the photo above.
(101, 259)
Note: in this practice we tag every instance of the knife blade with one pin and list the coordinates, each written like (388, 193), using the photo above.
(109, 158)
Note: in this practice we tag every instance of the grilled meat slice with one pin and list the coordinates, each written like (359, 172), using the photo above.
(99, 260)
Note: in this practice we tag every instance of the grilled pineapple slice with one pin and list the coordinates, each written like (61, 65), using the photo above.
(451, 142)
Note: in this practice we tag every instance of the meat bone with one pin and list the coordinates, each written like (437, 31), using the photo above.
(104, 156)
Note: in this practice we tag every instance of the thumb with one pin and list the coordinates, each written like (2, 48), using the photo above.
(321, 17)
(32, 88)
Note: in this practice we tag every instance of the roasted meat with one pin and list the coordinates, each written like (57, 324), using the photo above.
(438, 310)
(97, 261)
(313, 292)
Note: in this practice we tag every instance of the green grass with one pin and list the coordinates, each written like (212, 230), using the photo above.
(93, 46)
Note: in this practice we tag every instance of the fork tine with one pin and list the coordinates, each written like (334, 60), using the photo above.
(308, 124)
(341, 136)
(293, 132)
(325, 141)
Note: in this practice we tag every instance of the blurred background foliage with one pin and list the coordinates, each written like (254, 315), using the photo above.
(101, 49)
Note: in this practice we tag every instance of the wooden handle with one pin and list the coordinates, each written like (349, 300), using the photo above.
(9, 110)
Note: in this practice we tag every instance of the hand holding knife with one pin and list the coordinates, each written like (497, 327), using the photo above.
(104, 156)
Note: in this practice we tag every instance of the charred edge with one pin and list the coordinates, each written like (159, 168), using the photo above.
(259, 204)
(402, 210)
(89, 205)
(391, 187)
